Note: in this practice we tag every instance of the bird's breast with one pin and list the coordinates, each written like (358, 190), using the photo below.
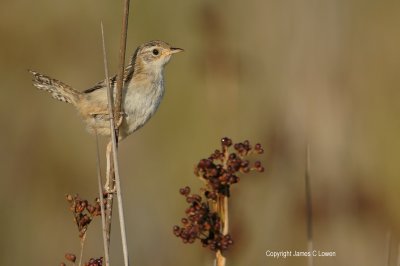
(141, 102)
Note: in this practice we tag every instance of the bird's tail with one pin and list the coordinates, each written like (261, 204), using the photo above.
(58, 90)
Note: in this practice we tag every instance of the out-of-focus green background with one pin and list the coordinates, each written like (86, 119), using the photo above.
(277, 72)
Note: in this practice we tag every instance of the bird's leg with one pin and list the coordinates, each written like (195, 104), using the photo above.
(120, 119)
(119, 122)
(109, 175)
(103, 115)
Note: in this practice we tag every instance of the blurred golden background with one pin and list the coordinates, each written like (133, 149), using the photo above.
(277, 72)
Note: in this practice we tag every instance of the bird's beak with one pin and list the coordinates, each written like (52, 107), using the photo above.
(176, 50)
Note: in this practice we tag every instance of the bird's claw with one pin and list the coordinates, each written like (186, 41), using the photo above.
(105, 116)
(120, 119)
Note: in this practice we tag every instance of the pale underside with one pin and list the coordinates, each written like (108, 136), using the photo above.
(141, 98)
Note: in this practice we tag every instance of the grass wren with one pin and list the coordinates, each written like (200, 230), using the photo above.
(142, 92)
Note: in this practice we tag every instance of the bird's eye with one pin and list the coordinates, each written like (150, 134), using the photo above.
(155, 52)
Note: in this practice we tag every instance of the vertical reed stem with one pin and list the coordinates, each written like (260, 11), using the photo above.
(309, 208)
(223, 212)
(115, 157)
(117, 114)
(388, 244)
(121, 68)
(101, 201)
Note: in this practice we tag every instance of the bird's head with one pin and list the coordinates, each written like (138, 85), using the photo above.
(153, 55)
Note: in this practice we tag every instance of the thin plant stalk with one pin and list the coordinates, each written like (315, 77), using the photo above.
(113, 171)
(103, 215)
(219, 259)
(110, 184)
(117, 112)
(110, 189)
(222, 209)
(310, 243)
(388, 244)
(121, 68)
(225, 230)
(82, 247)
(115, 155)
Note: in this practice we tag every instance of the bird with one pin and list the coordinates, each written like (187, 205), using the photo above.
(141, 95)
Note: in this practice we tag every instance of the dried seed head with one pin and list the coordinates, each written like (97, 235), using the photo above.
(219, 171)
(70, 257)
(226, 142)
(69, 198)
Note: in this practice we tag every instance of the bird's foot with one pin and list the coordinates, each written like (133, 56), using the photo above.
(118, 123)
(103, 115)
